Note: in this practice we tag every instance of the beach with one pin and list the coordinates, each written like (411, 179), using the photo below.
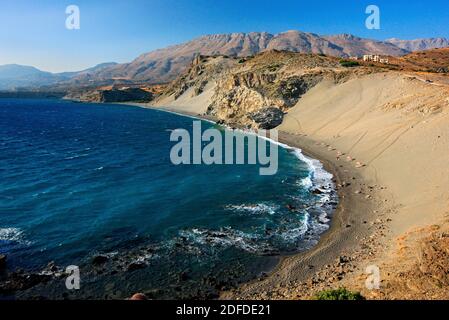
(375, 134)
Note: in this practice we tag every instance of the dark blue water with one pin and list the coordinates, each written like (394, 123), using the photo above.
(77, 180)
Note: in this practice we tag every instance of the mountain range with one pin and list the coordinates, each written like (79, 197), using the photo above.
(13, 76)
(163, 65)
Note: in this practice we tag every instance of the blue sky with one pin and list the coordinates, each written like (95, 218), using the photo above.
(34, 33)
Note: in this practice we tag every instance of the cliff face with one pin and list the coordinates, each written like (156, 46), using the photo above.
(202, 71)
(248, 89)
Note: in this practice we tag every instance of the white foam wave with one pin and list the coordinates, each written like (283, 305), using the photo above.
(77, 156)
(227, 237)
(11, 234)
(306, 183)
(318, 176)
(259, 208)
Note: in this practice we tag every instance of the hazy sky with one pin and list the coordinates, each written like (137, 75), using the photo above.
(34, 33)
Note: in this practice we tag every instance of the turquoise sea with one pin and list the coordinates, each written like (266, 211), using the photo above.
(78, 181)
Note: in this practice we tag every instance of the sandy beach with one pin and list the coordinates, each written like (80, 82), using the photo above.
(375, 134)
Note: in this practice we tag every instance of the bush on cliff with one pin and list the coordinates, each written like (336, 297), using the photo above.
(339, 294)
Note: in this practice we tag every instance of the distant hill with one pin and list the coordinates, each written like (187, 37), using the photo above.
(356, 46)
(97, 68)
(420, 44)
(14, 76)
(165, 64)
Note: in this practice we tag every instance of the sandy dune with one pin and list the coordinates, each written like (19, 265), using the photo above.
(397, 127)
(394, 130)
(188, 103)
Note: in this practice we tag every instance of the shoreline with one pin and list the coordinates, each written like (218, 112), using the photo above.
(341, 240)
(346, 227)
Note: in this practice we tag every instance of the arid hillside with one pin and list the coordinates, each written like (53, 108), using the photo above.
(166, 64)
(436, 61)
(238, 89)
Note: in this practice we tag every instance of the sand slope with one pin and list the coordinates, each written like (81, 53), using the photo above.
(397, 127)
(188, 102)
(394, 128)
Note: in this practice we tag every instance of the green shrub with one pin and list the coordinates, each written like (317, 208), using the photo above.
(349, 63)
(339, 294)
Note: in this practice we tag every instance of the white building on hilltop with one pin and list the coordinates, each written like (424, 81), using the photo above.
(375, 58)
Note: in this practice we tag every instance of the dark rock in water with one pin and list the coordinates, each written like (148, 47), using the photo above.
(136, 266)
(317, 191)
(268, 118)
(2, 261)
(51, 266)
(291, 207)
(99, 260)
(22, 281)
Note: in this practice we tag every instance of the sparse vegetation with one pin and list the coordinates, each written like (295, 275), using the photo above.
(338, 294)
(349, 63)
(273, 67)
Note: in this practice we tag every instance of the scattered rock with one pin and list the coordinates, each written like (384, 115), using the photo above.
(317, 191)
(138, 297)
(2, 261)
(136, 266)
(183, 276)
(359, 165)
(97, 260)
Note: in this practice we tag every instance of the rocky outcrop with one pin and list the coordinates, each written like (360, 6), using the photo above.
(113, 95)
(268, 118)
(272, 80)
(255, 92)
(201, 71)
(124, 95)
